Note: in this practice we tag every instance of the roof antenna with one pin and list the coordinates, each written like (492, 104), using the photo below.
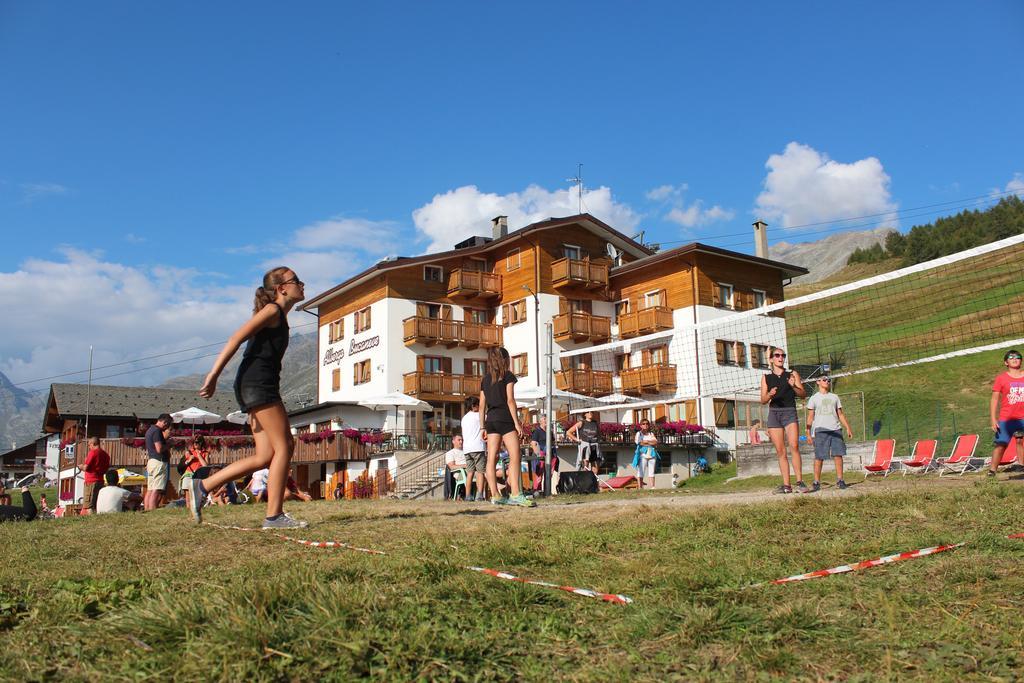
(578, 181)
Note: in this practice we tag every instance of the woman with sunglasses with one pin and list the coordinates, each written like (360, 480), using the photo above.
(258, 392)
(779, 389)
(1006, 409)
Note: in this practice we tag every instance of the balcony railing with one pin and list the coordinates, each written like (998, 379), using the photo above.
(580, 326)
(440, 385)
(584, 381)
(570, 272)
(645, 321)
(473, 283)
(648, 379)
(431, 331)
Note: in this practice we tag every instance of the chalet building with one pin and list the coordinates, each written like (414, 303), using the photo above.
(23, 460)
(421, 325)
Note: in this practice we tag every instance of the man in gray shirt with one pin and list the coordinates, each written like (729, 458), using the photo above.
(825, 423)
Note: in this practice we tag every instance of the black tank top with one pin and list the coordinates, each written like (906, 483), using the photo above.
(588, 431)
(261, 360)
(785, 397)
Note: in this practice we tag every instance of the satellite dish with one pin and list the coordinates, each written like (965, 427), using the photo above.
(613, 253)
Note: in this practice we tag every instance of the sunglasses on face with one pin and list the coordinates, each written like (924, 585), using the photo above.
(294, 281)
(778, 355)
(1013, 358)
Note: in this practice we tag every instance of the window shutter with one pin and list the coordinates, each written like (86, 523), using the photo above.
(422, 310)
(336, 379)
(588, 306)
(566, 363)
(419, 364)
(504, 315)
(563, 305)
(586, 361)
(367, 325)
(663, 298)
(645, 357)
(446, 365)
(741, 354)
(720, 352)
(716, 295)
(660, 414)
(446, 312)
(721, 412)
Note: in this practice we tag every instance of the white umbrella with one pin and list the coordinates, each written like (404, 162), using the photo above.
(238, 417)
(196, 416)
(396, 400)
(539, 393)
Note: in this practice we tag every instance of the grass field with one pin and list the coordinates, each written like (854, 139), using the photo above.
(126, 597)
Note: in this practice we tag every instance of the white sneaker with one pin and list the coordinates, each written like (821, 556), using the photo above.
(285, 521)
(196, 497)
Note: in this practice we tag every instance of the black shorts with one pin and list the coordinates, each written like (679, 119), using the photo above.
(502, 427)
(254, 395)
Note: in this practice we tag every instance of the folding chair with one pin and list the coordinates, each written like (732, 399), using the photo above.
(1010, 454)
(960, 459)
(881, 463)
(921, 457)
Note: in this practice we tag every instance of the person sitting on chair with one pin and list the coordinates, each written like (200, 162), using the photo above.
(454, 459)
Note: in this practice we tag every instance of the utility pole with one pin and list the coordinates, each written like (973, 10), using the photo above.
(550, 339)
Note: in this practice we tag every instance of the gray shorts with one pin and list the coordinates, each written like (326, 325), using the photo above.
(476, 461)
(778, 418)
(828, 444)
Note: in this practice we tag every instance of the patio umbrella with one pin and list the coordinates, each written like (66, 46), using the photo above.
(539, 393)
(129, 478)
(238, 418)
(196, 416)
(396, 400)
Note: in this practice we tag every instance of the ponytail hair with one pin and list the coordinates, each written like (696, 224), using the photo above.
(265, 294)
(497, 363)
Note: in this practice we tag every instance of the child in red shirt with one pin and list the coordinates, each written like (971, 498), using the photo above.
(1008, 398)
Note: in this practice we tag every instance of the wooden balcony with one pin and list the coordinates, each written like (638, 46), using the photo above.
(648, 379)
(584, 381)
(440, 386)
(450, 333)
(579, 326)
(471, 284)
(645, 321)
(570, 272)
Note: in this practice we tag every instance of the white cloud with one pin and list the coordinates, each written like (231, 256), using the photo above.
(663, 192)
(31, 192)
(466, 211)
(804, 186)
(695, 214)
(339, 232)
(57, 308)
(1015, 186)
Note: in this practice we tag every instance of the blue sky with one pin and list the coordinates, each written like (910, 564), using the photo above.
(172, 151)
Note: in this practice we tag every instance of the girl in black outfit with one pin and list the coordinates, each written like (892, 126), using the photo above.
(257, 389)
(501, 426)
(779, 389)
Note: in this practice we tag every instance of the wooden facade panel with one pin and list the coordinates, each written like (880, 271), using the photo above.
(357, 298)
(672, 275)
(744, 277)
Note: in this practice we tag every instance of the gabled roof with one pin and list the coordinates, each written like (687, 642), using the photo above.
(788, 270)
(144, 403)
(585, 219)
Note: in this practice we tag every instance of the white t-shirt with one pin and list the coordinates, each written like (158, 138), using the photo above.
(259, 480)
(111, 499)
(455, 458)
(471, 440)
(826, 411)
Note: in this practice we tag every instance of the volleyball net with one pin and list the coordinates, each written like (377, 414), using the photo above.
(966, 303)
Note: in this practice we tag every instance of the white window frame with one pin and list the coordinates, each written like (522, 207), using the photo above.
(439, 269)
(647, 298)
(566, 248)
(615, 308)
(518, 256)
(731, 303)
(764, 297)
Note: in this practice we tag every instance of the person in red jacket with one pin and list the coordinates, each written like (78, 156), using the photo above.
(97, 462)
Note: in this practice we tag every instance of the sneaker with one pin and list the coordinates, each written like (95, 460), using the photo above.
(196, 498)
(990, 473)
(815, 487)
(283, 521)
(802, 487)
(522, 501)
(481, 499)
(841, 484)
(500, 501)
(783, 489)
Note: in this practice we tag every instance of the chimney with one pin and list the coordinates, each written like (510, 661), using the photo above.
(761, 238)
(499, 226)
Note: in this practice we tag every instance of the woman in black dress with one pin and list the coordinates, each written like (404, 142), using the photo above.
(501, 426)
(258, 391)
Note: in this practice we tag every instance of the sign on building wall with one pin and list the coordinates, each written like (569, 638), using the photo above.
(332, 356)
(364, 345)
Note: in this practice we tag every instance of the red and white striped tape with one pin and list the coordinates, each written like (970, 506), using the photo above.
(300, 541)
(866, 564)
(585, 592)
(1016, 536)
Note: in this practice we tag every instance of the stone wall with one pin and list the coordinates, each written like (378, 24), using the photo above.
(752, 461)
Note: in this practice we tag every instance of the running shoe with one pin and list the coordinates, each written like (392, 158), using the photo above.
(802, 487)
(841, 484)
(783, 489)
(522, 501)
(284, 521)
(815, 487)
(196, 497)
(990, 473)
(500, 501)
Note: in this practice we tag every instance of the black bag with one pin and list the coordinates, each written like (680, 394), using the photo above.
(182, 466)
(577, 482)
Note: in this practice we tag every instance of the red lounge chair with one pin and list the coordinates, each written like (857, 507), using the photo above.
(959, 460)
(620, 482)
(882, 462)
(921, 457)
(1010, 454)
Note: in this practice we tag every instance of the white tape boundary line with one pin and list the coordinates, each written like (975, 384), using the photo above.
(807, 298)
(613, 598)
(300, 541)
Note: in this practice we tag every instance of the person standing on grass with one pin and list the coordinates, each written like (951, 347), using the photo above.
(97, 462)
(258, 392)
(196, 463)
(158, 466)
(646, 456)
(538, 441)
(586, 435)
(780, 389)
(1006, 409)
(501, 426)
(825, 413)
(475, 449)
